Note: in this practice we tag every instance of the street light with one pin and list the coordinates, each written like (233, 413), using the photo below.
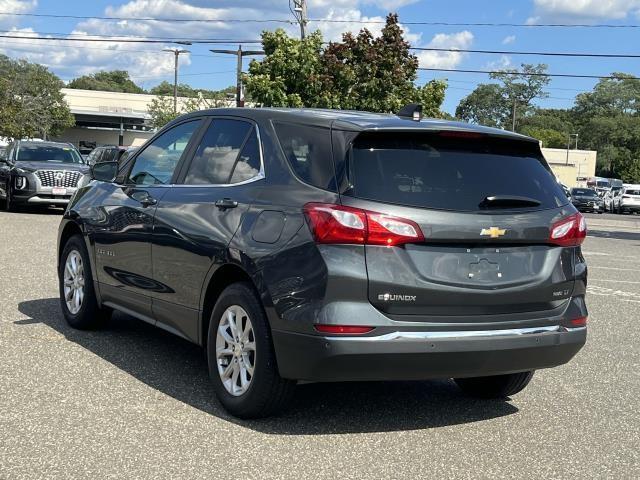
(240, 54)
(569, 145)
(176, 52)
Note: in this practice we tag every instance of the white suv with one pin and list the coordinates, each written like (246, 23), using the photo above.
(629, 199)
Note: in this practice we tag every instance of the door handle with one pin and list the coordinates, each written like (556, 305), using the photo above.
(144, 198)
(226, 203)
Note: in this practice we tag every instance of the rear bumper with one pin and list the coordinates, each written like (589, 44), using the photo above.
(422, 355)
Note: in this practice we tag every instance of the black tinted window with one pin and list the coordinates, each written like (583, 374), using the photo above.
(632, 192)
(218, 151)
(432, 171)
(157, 162)
(248, 163)
(583, 192)
(308, 151)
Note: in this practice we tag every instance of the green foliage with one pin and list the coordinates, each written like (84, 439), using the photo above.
(360, 73)
(113, 81)
(161, 108)
(31, 103)
(550, 138)
(486, 105)
(504, 105)
(184, 90)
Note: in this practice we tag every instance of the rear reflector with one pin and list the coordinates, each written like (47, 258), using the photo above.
(343, 329)
(579, 322)
(569, 232)
(331, 223)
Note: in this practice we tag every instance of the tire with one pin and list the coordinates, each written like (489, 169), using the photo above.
(266, 393)
(88, 315)
(497, 386)
(8, 204)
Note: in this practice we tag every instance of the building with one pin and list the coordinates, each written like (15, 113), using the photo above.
(571, 167)
(109, 118)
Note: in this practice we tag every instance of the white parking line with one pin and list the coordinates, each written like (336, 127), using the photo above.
(608, 280)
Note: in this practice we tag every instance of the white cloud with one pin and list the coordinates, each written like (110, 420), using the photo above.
(70, 59)
(391, 5)
(502, 63)
(447, 60)
(14, 6)
(584, 10)
(509, 39)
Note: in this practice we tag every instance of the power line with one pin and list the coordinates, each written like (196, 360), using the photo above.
(323, 20)
(532, 74)
(133, 40)
(508, 52)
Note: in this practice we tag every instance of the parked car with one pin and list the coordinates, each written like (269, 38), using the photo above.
(319, 245)
(35, 172)
(628, 201)
(107, 153)
(587, 200)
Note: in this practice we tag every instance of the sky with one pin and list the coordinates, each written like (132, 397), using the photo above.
(149, 65)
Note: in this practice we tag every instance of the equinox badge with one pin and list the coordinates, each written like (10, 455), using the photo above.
(493, 232)
(387, 297)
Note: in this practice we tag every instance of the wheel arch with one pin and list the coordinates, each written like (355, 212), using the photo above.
(221, 278)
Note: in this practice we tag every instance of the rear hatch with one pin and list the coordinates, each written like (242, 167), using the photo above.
(484, 204)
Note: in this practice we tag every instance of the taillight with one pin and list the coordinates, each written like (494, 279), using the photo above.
(569, 232)
(343, 329)
(331, 223)
(579, 322)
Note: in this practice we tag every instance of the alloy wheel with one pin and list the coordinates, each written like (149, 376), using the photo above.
(73, 282)
(235, 350)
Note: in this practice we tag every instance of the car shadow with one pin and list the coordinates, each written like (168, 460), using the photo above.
(616, 235)
(178, 368)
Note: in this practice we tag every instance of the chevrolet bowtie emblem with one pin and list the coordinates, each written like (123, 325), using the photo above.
(493, 232)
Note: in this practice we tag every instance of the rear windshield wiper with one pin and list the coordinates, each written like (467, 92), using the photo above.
(508, 201)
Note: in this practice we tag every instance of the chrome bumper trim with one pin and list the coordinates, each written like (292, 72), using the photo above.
(422, 336)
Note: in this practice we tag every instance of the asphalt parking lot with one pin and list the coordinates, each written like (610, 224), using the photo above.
(132, 401)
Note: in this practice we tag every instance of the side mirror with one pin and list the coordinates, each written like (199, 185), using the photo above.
(104, 171)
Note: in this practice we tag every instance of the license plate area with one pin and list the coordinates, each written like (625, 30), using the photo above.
(58, 191)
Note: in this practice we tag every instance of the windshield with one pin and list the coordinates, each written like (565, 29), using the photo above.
(47, 153)
(585, 192)
(434, 171)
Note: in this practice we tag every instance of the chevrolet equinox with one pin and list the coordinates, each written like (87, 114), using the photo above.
(320, 245)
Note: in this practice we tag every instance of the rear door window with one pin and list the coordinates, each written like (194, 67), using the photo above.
(308, 151)
(448, 173)
(228, 153)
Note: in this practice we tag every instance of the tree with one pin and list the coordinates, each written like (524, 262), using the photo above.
(486, 105)
(507, 104)
(31, 103)
(362, 72)
(166, 89)
(113, 81)
(161, 108)
(520, 88)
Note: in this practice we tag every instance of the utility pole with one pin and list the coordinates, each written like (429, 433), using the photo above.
(569, 145)
(513, 117)
(176, 52)
(240, 54)
(300, 12)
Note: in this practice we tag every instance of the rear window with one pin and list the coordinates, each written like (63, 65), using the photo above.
(632, 192)
(585, 192)
(308, 151)
(448, 173)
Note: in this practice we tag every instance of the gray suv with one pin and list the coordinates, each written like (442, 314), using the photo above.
(319, 245)
(35, 172)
